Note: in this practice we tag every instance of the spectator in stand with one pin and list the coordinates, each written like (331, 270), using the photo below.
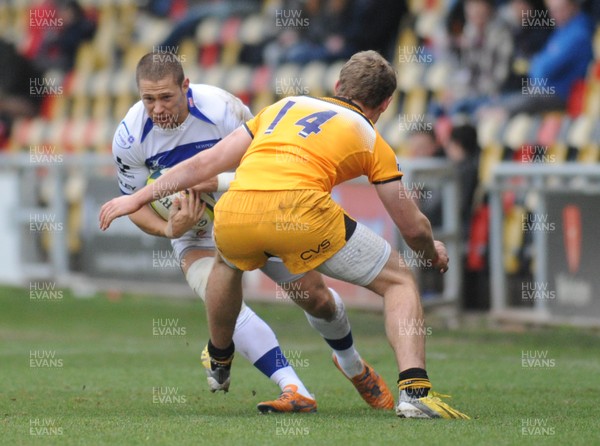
(592, 7)
(527, 20)
(382, 18)
(422, 143)
(59, 47)
(463, 151)
(319, 37)
(196, 12)
(335, 29)
(485, 49)
(562, 62)
(15, 98)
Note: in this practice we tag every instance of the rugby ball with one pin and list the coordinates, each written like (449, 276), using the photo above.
(163, 205)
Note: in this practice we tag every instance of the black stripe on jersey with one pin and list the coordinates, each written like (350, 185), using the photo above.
(347, 103)
(248, 130)
(398, 178)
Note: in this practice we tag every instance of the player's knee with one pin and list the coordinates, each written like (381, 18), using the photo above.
(197, 275)
(318, 302)
(394, 273)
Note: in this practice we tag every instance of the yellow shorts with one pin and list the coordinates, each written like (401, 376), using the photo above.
(304, 228)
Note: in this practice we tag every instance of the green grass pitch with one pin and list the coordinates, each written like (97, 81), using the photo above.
(98, 371)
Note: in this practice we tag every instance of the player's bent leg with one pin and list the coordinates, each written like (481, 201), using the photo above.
(325, 312)
(223, 303)
(368, 260)
(336, 331)
(253, 338)
(257, 342)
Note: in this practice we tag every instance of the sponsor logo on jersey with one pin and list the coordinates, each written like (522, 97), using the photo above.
(122, 138)
(127, 186)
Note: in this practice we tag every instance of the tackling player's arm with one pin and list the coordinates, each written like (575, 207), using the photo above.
(225, 155)
(412, 223)
(384, 172)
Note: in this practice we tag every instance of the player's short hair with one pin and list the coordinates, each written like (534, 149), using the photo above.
(368, 78)
(156, 66)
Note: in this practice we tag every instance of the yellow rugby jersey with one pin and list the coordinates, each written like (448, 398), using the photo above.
(303, 142)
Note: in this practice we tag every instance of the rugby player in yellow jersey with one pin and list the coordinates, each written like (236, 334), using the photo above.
(327, 141)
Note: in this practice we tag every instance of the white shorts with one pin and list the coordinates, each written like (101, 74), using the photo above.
(190, 240)
(360, 260)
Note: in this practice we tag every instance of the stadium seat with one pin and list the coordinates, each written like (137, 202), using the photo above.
(591, 106)
(230, 41)
(489, 131)
(55, 107)
(238, 80)
(75, 141)
(428, 22)
(549, 129)
(133, 53)
(410, 76)
(27, 133)
(550, 135)
(121, 82)
(490, 139)
(151, 34)
(407, 38)
(416, 6)
(261, 79)
(102, 107)
(391, 114)
(415, 102)
(513, 238)
(284, 77)
(193, 72)
(208, 31)
(262, 100)
(331, 76)
(85, 61)
(56, 133)
(489, 157)
(215, 75)
(517, 131)
(312, 78)
(580, 132)
(596, 44)
(188, 54)
(437, 75)
(576, 99)
(253, 30)
(230, 30)
(101, 135)
(390, 133)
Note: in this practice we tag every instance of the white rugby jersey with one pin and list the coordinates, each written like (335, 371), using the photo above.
(140, 147)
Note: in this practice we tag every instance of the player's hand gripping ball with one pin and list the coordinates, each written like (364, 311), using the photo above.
(162, 205)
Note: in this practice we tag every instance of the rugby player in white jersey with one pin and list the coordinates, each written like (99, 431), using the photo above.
(174, 121)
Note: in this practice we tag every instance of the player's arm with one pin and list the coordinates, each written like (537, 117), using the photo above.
(183, 215)
(149, 222)
(225, 155)
(412, 223)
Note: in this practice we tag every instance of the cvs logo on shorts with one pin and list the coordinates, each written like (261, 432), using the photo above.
(307, 255)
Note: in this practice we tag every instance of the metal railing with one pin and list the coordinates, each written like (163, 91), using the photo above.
(538, 180)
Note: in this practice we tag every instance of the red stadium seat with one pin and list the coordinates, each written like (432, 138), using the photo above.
(575, 102)
(261, 79)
